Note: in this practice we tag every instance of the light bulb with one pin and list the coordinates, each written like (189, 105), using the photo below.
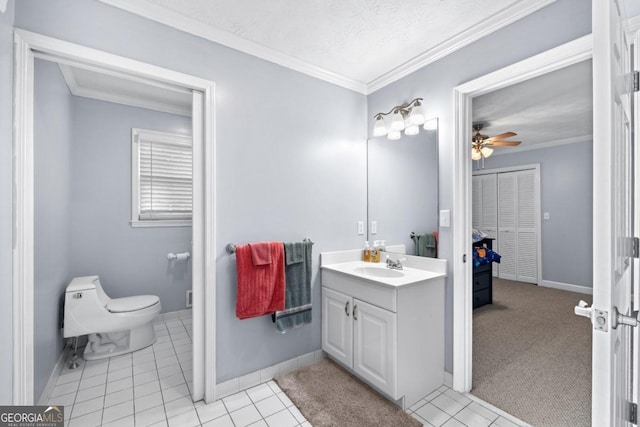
(486, 151)
(379, 129)
(431, 124)
(416, 117)
(475, 154)
(397, 121)
(411, 130)
(394, 135)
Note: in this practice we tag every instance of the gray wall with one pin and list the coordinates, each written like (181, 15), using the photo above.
(6, 223)
(282, 173)
(53, 123)
(566, 192)
(129, 261)
(558, 23)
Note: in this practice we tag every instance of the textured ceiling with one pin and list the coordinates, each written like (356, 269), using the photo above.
(359, 40)
(554, 108)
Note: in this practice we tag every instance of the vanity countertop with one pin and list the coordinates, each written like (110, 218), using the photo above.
(380, 274)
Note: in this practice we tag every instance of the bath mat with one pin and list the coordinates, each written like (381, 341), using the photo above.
(329, 396)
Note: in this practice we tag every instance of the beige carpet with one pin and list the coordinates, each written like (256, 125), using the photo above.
(532, 355)
(327, 395)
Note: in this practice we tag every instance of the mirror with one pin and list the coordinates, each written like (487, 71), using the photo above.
(402, 187)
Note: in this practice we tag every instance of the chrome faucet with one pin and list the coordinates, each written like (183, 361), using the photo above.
(395, 265)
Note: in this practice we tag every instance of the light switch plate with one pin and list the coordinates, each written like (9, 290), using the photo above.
(445, 218)
(374, 227)
(360, 228)
(547, 215)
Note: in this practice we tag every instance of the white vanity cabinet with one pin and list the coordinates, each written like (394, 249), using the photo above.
(360, 336)
(390, 336)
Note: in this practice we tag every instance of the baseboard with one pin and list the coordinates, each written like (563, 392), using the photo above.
(260, 376)
(55, 374)
(448, 379)
(566, 287)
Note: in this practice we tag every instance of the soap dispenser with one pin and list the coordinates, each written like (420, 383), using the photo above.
(375, 253)
(366, 254)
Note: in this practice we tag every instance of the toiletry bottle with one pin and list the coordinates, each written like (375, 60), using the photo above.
(375, 253)
(366, 254)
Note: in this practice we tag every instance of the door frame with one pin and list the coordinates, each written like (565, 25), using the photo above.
(28, 46)
(559, 57)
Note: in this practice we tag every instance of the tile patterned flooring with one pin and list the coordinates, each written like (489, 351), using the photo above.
(151, 387)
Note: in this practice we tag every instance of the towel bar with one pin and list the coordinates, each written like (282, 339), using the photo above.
(231, 247)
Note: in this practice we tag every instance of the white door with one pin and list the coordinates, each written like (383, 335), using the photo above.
(337, 326)
(612, 225)
(375, 346)
(518, 225)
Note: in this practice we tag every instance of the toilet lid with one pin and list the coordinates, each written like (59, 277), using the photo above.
(138, 302)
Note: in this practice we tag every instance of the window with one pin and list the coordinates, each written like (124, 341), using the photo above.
(161, 179)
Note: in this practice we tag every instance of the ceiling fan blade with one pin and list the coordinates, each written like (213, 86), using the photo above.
(504, 143)
(503, 136)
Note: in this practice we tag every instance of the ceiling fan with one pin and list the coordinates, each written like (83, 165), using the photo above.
(481, 144)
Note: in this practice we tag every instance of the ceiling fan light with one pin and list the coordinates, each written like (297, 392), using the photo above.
(412, 130)
(486, 151)
(394, 135)
(475, 154)
(416, 117)
(379, 128)
(397, 121)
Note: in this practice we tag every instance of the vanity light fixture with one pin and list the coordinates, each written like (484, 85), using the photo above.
(406, 117)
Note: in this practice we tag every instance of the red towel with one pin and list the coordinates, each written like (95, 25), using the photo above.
(261, 288)
(260, 253)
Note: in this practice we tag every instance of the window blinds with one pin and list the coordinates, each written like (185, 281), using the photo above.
(164, 178)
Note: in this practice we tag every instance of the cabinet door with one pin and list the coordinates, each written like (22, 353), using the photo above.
(337, 326)
(375, 346)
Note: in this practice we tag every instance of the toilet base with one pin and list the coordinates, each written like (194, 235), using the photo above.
(103, 345)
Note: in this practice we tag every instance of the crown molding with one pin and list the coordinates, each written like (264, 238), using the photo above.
(119, 97)
(225, 38)
(496, 22)
(189, 25)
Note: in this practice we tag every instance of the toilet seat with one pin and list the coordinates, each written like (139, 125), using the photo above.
(128, 304)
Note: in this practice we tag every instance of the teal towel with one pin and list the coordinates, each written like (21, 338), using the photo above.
(297, 271)
(425, 244)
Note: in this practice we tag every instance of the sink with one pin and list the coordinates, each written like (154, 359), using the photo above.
(378, 272)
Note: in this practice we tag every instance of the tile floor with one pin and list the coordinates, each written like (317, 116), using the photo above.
(151, 387)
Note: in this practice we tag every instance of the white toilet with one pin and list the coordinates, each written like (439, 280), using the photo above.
(114, 326)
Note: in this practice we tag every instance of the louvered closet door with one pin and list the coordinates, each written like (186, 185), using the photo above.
(527, 250)
(485, 208)
(517, 226)
(507, 241)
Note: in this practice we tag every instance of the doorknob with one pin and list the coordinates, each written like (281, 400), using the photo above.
(598, 317)
(623, 319)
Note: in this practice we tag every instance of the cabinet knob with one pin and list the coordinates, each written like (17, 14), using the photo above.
(346, 309)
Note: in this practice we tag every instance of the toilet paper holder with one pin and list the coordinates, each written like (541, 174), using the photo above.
(183, 256)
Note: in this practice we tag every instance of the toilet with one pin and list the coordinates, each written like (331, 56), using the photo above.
(114, 325)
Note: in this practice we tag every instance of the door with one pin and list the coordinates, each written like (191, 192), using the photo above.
(375, 346)
(337, 326)
(612, 216)
(518, 225)
(485, 208)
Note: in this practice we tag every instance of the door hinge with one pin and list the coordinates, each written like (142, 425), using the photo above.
(636, 81)
(636, 247)
(633, 413)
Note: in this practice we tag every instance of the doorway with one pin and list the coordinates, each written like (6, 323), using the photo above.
(28, 47)
(554, 59)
